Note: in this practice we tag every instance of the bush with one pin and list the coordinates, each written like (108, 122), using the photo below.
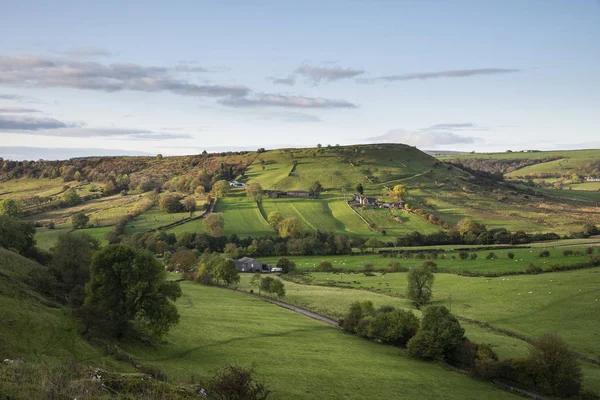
(395, 327)
(286, 265)
(545, 253)
(491, 256)
(463, 255)
(533, 269)
(324, 266)
(235, 382)
(511, 255)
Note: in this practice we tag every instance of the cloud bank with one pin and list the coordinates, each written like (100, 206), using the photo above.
(279, 100)
(318, 74)
(459, 73)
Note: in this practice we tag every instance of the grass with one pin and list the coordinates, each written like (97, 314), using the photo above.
(153, 219)
(451, 262)
(219, 327)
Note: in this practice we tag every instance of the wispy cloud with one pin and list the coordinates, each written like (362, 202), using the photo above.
(64, 130)
(291, 116)
(27, 123)
(36, 71)
(17, 98)
(17, 110)
(466, 126)
(431, 137)
(318, 74)
(85, 52)
(289, 81)
(459, 73)
(279, 100)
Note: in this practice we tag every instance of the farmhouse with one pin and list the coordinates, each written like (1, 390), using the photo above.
(247, 264)
(592, 179)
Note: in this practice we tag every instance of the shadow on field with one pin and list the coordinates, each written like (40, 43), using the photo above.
(237, 339)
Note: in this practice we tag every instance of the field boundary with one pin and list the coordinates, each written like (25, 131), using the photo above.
(360, 216)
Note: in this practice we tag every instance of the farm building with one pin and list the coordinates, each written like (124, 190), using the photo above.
(592, 179)
(247, 264)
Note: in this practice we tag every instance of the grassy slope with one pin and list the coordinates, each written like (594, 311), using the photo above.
(33, 330)
(297, 356)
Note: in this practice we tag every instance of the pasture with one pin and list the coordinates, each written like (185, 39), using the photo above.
(218, 327)
(450, 261)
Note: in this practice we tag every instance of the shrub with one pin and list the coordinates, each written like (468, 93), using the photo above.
(473, 256)
(491, 256)
(511, 255)
(533, 269)
(324, 266)
(286, 265)
(545, 253)
(396, 267)
(440, 335)
(463, 255)
(395, 326)
(235, 382)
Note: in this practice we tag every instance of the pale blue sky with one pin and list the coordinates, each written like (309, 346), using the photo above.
(179, 77)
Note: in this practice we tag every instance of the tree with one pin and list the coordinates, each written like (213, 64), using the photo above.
(555, 366)
(131, 285)
(316, 188)
(467, 225)
(289, 227)
(277, 287)
(274, 219)
(221, 189)
(71, 258)
(79, 220)
(71, 198)
(394, 326)
(359, 188)
(11, 208)
(254, 191)
(589, 228)
(214, 224)
(286, 265)
(398, 193)
(183, 259)
(170, 203)
(324, 266)
(189, 204)
(226, 271)
(235, 382)
(374, 243)
(17, 235)
(420, 282)
(439, 337)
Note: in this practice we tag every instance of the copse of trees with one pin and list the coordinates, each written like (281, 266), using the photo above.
(71, 198)
(79, 220)
(216, 269)
(273, 286)
(440, 335)
(170, 203)
(214, 224)
(130, 286)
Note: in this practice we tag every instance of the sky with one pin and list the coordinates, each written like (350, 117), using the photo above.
(144, 77)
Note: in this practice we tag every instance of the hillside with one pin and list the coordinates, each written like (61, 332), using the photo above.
(439, 194)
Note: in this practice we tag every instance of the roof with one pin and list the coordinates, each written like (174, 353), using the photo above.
(243, 259)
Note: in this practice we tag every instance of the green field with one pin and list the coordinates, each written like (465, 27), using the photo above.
(219, 327)
(450, 261)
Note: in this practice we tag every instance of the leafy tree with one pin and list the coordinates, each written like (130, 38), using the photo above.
(235, 382)
(351, 322)
(183, 259)
(467, 225)
(398, 193)
(316, 188)
(420, 282)
(214, 224)
(374, 243)
(11, 208)
(131, 286)
(71, 259)
(395, 326)
(79, 220)
(170, 203)
(221, 189)
(277, 287)
(226, 271)
(255, 281)
(439, 337)
(189, 204)
(289, 227)
(71, 198)
(286, 265)
(555, 366)
(17, 235)
(265, 284)
(274, 219)
(359, 188)
(589, 229)
(200, 190)
(254, 191)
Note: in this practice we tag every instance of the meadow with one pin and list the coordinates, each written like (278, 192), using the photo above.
(218, 327)
(449, 261)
